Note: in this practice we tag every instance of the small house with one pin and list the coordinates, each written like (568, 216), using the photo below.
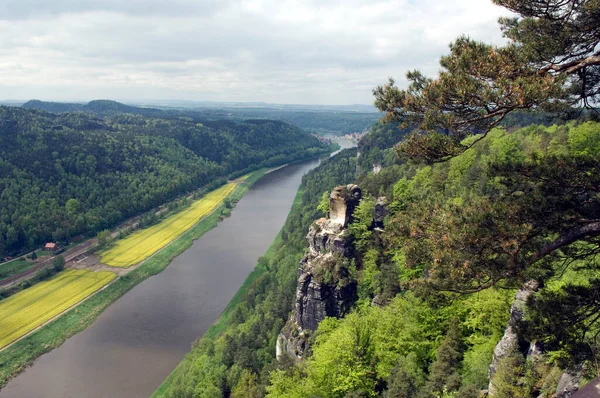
(51, 247)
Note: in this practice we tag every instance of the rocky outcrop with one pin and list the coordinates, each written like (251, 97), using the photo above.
(342, 202)
(325, 288)
(381, 210)
(569, 382)
(511, 340)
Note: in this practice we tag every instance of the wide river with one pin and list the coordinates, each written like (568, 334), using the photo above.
(139, 339)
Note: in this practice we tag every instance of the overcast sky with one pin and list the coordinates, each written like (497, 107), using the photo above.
(278, 51)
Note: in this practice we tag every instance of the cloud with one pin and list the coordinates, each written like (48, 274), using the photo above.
(285, 51)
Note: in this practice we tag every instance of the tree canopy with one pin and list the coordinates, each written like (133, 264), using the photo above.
(551, 61)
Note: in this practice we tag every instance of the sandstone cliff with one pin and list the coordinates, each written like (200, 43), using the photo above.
(325, 287)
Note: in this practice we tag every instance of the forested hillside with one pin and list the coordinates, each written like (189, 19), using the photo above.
(422, 339)
(73, 173)
(336, 122)
(437, 334)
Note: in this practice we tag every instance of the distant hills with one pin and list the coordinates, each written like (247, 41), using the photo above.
(320, 118)
(98, 107)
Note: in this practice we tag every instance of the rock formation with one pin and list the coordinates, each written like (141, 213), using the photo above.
(324, 288)
(511, 341)
(569, 382)
(342, 201)
(381, 210)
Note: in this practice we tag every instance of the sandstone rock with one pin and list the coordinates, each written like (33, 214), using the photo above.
(511, 340)
(323, 286)
(342, 202)
(381, 211)
(568, 383)
(327, 236)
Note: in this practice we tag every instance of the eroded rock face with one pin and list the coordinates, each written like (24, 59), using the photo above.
(381, 210)
(511, 340)
(324, 287)
(321, 290)
(568, 384)
(327, 236)
(342, 202)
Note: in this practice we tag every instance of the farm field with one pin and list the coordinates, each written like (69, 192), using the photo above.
(144, 243)
(25, 311)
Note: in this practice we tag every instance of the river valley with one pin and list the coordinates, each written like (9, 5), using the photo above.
(141, 337)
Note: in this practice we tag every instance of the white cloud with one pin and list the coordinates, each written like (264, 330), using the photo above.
(312, 51)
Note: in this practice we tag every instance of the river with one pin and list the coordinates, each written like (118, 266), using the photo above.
(140, 338)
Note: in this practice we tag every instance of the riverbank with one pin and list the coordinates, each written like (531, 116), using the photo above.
(223, 322)
(18, 356)
(239, 348)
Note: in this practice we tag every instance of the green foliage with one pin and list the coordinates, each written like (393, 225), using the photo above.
(444, 373)
(368, 284)
(360, 351)
(403, 194)
(209, 376)
(72, 173)
(406, 379)
(323, 206)
(360, 228)
(58, 263)
(376, 147)
(248, 386)
(509, 379)
(486, 316)
(104, 238)
(584, 140)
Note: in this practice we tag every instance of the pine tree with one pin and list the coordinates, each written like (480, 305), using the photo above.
(444, 375)
(552, 61)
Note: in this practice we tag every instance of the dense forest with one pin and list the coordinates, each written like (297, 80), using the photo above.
(338, 122)
(425, 341)
(429, 339)
(67, 174)
(322, 121)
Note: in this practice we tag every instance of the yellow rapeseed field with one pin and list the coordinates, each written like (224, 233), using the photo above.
(25, 311)
(144, 243)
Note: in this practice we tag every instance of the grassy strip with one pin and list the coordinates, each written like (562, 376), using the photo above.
(224, 323)
(14, 268)
(21, 354)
